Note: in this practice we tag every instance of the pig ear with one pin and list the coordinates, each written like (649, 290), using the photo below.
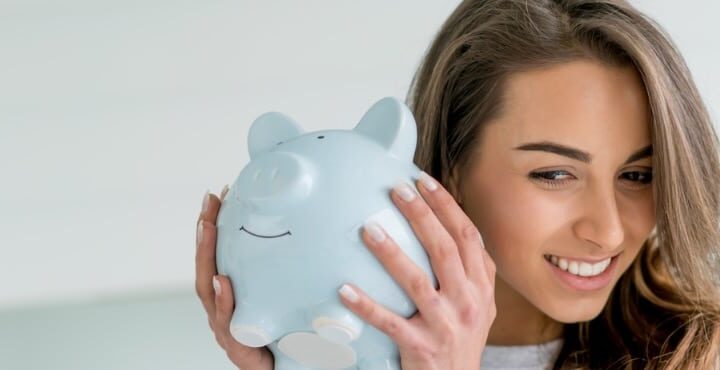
(269, 129)
(390, 123)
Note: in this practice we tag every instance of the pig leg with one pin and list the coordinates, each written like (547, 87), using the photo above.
(283, 362)
(336, 323)
(254, 328)
(301, 350)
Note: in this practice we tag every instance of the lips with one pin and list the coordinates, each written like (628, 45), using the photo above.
(582, 283)
(242, 228)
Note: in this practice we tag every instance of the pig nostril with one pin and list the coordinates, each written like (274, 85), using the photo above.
(256, 175)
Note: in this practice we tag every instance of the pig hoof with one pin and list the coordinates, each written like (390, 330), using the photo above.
(251, 336)
(316, 352)
(335, 330)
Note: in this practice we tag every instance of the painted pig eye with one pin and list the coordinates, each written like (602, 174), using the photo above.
(321, 137)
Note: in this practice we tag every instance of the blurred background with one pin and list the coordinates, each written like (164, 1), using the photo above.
(116, 117)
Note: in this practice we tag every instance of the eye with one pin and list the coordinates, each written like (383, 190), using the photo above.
(637, 178)
(640, 178)
(550, 177)
(321, 137)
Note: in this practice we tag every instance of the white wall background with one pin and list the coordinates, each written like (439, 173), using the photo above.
(116, 116)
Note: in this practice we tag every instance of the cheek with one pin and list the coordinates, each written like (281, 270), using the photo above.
(515, 219)
(639, 220)
(640, 216)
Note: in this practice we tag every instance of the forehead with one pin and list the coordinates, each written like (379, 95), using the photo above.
(583, 104)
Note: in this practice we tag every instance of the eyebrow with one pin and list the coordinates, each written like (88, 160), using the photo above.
(577, 154)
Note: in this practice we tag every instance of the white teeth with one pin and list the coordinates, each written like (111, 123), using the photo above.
(563, 264)
(579, 268)
(573, 268)
(586, 269)
(600, 267)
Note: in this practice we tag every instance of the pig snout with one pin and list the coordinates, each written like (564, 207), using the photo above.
(275, 181)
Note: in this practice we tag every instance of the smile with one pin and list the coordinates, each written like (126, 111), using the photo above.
(242, 228)
(593, 278)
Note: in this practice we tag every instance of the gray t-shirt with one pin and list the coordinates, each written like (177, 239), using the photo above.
(526, 357)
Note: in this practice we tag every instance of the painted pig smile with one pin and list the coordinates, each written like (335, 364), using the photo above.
(242, 228)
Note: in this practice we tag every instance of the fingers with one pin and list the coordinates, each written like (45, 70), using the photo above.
(210, 208)
(224, 305)
(413, 280)
(456, 223)
(439, 244)
(394, 326)
(205, 266)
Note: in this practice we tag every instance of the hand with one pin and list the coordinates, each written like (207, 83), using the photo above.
(220, 306)
(450, 329)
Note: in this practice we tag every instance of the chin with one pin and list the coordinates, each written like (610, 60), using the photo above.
(573, 313)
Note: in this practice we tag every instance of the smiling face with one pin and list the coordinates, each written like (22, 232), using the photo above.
(565, 172)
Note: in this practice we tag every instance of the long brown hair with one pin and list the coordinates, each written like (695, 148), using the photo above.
(664, 313)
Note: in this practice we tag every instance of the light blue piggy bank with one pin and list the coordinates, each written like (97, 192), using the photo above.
(289, 235)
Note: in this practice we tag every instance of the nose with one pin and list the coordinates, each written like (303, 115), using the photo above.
(601, 223)
(275, 181)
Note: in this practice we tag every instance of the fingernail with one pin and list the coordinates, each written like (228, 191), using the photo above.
(224, 190)
(375, 231)
(200, 229)
(216, 286)
(349, 293)
(427, 181)
(403, 190)
(206, 200)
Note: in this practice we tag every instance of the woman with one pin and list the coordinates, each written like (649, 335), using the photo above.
(570, 134)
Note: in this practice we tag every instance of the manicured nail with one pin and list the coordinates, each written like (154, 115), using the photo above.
(427, 181)
(200, 229)
(206, 200)
(349, 293)
(216, 286)
(375, 231)
(224, 191)
(403, 190)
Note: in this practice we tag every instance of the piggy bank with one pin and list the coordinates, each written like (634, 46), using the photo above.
(289, 235)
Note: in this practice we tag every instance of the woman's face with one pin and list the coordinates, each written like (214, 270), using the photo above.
(588, 202)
